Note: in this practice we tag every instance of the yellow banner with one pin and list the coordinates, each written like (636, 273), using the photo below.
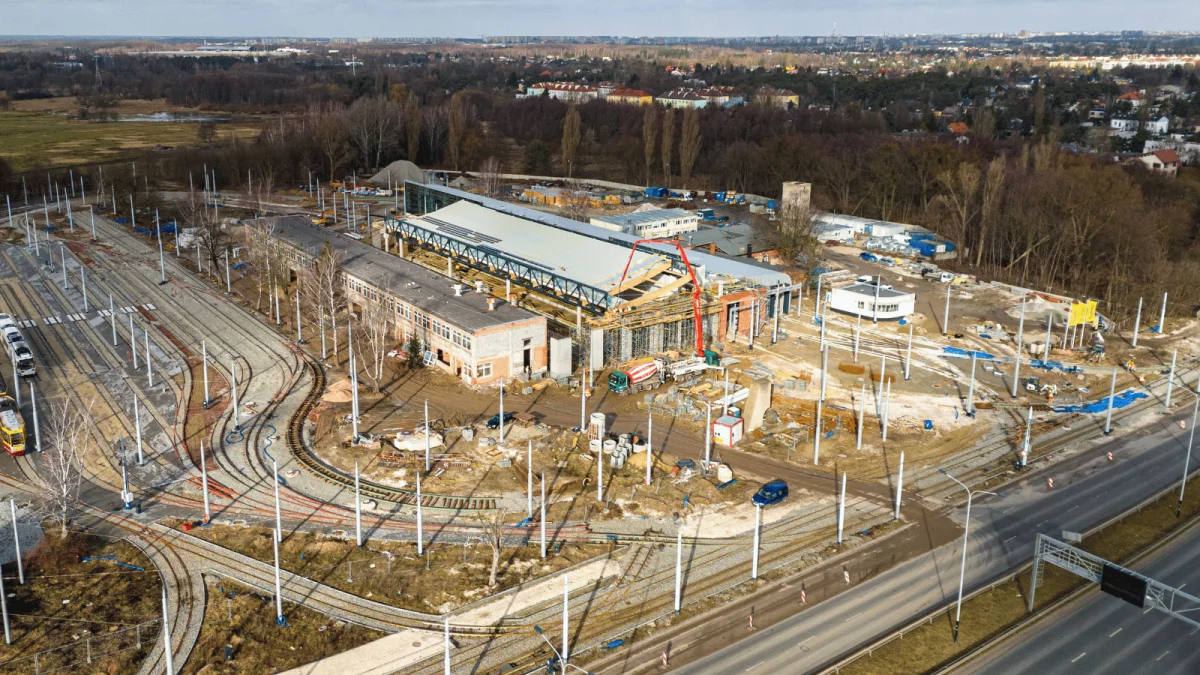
(1082, 312)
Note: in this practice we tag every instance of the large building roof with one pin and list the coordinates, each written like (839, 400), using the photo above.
(422, 288)
(591, 262)
(643, 217)
(869, 290)
(740, 268)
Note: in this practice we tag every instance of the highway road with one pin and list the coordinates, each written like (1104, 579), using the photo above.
(1102, 634)
(1088, 489)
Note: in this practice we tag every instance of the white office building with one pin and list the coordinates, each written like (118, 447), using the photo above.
(654, 224)
(869, 301)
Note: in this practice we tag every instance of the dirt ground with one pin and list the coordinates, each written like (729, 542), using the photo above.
(65, 604)
(242, 620)
(447, 577)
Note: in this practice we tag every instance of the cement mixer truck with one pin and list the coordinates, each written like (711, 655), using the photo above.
(650, 374)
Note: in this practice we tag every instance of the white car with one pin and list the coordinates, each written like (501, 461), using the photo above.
(6, 320)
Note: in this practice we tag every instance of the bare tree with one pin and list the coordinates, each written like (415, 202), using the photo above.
(327, 282)
(689, 144)
(649, 137)
(372, 124)
(412, 126)
(376, 325)
(211, 236)
(958, 198)
(489, 177)
(328, 128)
(494, 533)
(668, 143)
(458, 127)
(570, 138)
(65, 444)
(992, 195)
(435, 120)
(575, 205)
(266, 259)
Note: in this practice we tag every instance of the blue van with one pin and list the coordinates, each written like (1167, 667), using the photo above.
(771, 493)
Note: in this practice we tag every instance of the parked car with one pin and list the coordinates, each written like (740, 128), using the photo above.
(868, 256)
(771, 493)
(6, 320)
(494, 422)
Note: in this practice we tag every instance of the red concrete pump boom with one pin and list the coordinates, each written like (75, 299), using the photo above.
(691, 273)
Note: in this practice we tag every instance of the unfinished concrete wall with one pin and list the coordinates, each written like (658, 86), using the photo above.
(757, 403)
(560, 357)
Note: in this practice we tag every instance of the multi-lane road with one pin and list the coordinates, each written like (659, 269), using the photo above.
(1089, 489)
(1101, 634)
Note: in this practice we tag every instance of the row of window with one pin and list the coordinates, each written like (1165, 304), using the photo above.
(416, 317)
(880, 308)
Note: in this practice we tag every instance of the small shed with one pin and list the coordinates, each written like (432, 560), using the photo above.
(728, 430)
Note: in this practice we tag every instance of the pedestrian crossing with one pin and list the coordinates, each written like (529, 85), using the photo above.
(81, 316)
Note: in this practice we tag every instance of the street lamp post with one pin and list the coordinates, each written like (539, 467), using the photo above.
(962, 570)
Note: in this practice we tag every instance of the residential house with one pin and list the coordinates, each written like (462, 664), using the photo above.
(1125, 127)
(1134, 99)
(1158, 126)
(630, 97)
(1165, 162)
(725, 97)
(778, 98)
(563, 91)
(683, 98)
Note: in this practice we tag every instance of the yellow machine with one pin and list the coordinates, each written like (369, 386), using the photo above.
(12, 427)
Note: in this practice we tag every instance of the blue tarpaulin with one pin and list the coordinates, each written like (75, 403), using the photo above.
(981, 356)
(1119, 401)
(1045, 365)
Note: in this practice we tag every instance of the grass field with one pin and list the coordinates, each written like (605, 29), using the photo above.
(43, 140)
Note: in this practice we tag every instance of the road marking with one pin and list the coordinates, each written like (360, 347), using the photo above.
(1042, 523)
(755, 666)
(1073, 508)
(853, 617)
(1163, 654)
(810, 637)
(1009, 539)
(1008, 509)
(1115, 632)
(1078, 657)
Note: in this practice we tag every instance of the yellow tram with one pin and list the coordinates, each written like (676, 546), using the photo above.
(12, 427)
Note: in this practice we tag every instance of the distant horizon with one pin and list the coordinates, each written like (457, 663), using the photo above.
(476, 19)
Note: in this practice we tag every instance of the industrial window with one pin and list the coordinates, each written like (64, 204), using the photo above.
(483, 370)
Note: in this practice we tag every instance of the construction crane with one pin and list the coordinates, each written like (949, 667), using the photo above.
(695, 285)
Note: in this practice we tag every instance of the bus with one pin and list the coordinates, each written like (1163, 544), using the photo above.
(12, 427)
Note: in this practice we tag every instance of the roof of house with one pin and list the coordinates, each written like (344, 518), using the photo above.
(732, 240)
(632, 93)
(682, 95)
(418, 286)
(771, 91)
(648, 216)
(1167, 156)
(1130, 96)
(870, 290)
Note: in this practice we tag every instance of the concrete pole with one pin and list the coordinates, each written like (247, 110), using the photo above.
(824, 370)
(899, 487)
(841, 514)
(4, 611)
(149, 362)
(887, 404)
(501, 440)
(778, 307)
(1187, 459)
(1170, 381)
(529, 481)
(1162, 317)
(62, 256)
(137, 426)
(678, 570)
(971, 387)
(126, 493)
(354, 397)
(543, 514)
(16, 382)
(12, 503)
(862, 408)
(204, 482)
(857, 335)
(821, 342)
(92, 216)
(133, 342)
(817, 434)
(278, 515)
(1017, 360)
(420, 523)
(707, 435)
(83, 280)
(37, 427)
(649, 443)
(357, 507)
(1027, 446)
(753, 324)
(908, 354)
(167, 648)
(162, 261)
(112, 318)
(583, 386)
(1049, 332)
(299, 335)
(567, 626)
(427, 441)
(1112, 391)
(946, 316)
(754, 552)
(279, 620)
(817, 306)
(600, 474)
(204, 359)
(1137, 322)
(875, 307)
(228, 283)
(233, 390)
(725, 393)
(446, 647)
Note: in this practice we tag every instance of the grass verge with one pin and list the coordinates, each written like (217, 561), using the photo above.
(930, 646)
(239, 634)
(70, 606)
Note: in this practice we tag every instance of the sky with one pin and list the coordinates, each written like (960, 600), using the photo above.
(476, 18)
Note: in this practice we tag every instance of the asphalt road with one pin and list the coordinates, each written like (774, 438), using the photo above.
(1088, 489)
(1102, 634)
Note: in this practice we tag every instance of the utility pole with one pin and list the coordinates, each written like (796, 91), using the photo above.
(204, 360)
(1187, 459)
(1162, 317)
(278, 515)
(420, 532)
(566, 640)
(501, 441)
(203, 482)
(1026, 447)
(529, 481)
(862, 407)
(962, 572)
(1112, 391)
(37, 427)
(1137, 323)
(1017, 360)
(841, 513)
(167, 648)
(678, 569)
(12, 502)
(137, 425)
(946, 316)
(971, 387)
(1170, 381)
(149, 361)
(426, 435)
(650, 447)
(357, 508)
(543, 514)
(707, 435)
(754, 552)
(908, 354)
(899, 487)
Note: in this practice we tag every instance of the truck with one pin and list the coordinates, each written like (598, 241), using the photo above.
(650, 374)
(938, 275)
